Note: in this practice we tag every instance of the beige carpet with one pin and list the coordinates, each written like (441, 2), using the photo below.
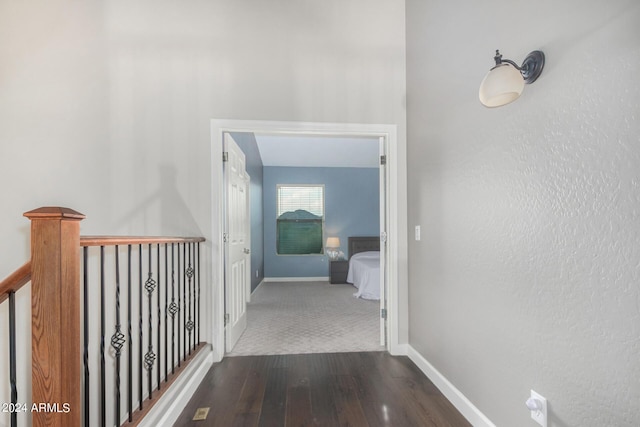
(308, 317)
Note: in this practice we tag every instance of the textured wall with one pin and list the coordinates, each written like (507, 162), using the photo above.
(528, 271)
(352, 208)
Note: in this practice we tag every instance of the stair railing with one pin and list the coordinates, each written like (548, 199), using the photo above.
(137, 326)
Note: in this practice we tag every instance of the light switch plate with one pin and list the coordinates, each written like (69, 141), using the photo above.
(417, 232)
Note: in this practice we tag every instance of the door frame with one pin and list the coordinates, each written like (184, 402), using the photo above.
(396, 206)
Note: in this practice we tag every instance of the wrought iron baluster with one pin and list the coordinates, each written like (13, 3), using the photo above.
(12, 357)
(130, 341)
(117, 339)
(140, 328)
(198, 296)
(189, 325)
(85, 313)
(173, 309)
(150, 357)
(179, 305)
(103, 391)
(184, 302)
(166, 308)
(159, 317)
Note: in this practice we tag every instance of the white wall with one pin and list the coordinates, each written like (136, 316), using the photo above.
(105, 107)
(528, 272)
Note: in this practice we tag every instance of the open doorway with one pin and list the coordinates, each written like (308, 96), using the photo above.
(313, 190)
(386, 135)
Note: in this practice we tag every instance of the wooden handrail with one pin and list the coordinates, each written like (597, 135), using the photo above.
(22, 276)
(15, 281)
(134, 240)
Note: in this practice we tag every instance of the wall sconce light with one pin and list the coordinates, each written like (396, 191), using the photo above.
(504, 82)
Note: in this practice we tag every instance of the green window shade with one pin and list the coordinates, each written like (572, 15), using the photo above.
(300, 220)
(299, 237)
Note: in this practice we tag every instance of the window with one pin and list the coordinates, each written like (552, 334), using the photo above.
(300, 219)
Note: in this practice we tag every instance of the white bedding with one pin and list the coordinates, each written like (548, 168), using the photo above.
(364, 274)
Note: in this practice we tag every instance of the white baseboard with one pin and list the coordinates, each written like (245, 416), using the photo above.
(459, 400)
(250, 294)
(173, 402)
(296, 279)
(218, 354)
(399, 350)
(259, 284)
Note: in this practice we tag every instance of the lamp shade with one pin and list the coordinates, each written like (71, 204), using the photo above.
(502, 85)
(333, 242)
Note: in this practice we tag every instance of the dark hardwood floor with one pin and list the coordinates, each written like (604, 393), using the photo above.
(337, 389)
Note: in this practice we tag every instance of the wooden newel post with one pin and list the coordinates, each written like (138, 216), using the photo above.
(55, 317)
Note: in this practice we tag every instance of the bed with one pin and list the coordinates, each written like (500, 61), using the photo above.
(364, 266)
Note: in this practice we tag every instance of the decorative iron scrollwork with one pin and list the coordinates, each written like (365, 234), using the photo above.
(173, 309)
(117, 341)
(149, 358)
(150, 284)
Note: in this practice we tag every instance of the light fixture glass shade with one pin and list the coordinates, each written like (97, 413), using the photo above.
(333, 242)
(502, 85)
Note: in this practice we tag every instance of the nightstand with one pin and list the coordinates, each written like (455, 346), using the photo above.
(338, 271)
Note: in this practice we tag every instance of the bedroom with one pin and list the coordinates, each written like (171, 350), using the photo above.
(346, 173)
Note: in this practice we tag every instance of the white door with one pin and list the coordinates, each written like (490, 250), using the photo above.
(383, 243)
(237, 242)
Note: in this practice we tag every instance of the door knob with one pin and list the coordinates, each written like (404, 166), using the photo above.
(246, 251)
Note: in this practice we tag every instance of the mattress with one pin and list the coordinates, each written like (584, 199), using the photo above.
(364, 274)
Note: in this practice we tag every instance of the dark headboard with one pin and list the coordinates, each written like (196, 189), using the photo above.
(363, 244)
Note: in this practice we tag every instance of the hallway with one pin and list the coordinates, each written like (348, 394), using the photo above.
(331, 389)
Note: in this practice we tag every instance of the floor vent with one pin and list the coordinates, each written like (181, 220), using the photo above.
(201, 414)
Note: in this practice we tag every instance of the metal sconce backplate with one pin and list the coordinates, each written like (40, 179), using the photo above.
(532, 66)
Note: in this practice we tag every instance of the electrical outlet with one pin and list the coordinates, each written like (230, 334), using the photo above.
(538, 407)
(256, 273)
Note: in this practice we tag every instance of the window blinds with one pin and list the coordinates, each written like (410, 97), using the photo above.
(309, 198)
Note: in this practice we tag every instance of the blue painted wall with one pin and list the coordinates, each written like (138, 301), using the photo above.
(248, 145)
(352, 200)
